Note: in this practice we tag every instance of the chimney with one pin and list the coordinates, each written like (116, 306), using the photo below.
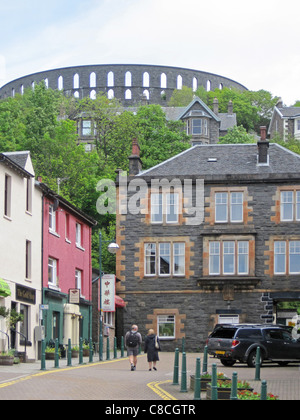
(230, 107)
(263, 148)
(135, 163)
(216, 106)
(279, 103)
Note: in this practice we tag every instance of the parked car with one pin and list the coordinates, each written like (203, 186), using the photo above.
(232, 343)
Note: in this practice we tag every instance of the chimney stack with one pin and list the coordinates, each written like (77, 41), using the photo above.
(263, 147)
(216, 106)
(230, 107)
(135, 163)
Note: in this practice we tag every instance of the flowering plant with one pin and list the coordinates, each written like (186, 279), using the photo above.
(248, 395)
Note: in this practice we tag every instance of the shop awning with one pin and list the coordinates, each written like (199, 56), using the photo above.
(119, 302)
(4, 288)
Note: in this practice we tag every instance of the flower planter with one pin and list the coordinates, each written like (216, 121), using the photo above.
(75, 353)
(6, 360)
(50, 356)
(204, 382)
(223, 393)
(86, 352)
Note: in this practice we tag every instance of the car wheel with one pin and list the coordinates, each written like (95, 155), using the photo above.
(251, 362)
(228, 363)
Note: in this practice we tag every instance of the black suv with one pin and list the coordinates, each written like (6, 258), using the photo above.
(232, 343)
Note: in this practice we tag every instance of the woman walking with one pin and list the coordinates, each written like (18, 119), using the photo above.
(152, 347)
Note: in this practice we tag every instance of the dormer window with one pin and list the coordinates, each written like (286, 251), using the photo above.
(199, 127)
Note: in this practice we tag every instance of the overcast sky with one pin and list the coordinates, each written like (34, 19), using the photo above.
(255, 43)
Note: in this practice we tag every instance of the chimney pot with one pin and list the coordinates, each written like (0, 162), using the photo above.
(263, 133)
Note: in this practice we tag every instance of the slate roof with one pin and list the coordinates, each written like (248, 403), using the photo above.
(289, 112)
(18, 161)
(217, 161)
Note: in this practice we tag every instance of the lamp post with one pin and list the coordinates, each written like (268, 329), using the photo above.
(112, 248)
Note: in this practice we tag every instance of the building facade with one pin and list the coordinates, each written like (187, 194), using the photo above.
(209, 236)
(21, 248)
(67, 270)
(285, 122)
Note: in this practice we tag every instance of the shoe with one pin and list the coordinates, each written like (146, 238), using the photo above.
(150, 370)
(132, 368)
(154, 368)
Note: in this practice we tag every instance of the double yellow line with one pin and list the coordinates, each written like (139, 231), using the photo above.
(155, 387)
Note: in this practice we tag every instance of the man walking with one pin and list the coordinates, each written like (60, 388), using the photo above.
(133, 339)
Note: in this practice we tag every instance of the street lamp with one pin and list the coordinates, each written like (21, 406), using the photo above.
(112, 248)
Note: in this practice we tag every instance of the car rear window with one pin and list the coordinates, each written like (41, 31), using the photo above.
(249, 333)
(223, 333)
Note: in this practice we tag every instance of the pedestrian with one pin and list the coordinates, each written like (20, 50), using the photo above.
(133, 339)
(152, 347)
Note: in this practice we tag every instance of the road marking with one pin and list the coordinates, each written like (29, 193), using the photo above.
(57, 370)
(155, 387)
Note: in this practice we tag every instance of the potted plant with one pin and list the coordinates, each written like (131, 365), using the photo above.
(224, 389)
(205, 379)
(75, 351)
(7, 358)
(86, 349)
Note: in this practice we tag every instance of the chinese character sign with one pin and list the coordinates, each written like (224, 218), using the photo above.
(108, 292)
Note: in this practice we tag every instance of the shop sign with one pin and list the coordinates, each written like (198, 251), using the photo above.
(24, 294)
(108, 287)
(74, 296)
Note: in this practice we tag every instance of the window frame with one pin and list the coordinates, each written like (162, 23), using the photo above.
(218, 254)
(156, 255)
(229, 205)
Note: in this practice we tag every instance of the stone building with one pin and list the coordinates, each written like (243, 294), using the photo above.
(285, 122)
(209, 236)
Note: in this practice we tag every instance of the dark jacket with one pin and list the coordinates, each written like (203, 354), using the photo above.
(152, 352)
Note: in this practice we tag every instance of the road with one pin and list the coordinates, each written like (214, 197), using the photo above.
(112, 380)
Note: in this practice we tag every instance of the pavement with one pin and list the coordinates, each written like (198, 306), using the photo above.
(112, 380)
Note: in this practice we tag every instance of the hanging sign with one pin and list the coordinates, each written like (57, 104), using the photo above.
(108, 287)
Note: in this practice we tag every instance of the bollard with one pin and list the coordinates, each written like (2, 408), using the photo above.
(115, 348)
(56, 356)
(214, 383)
(205, 360)
(80, 351)
(197, 393)
(122, 346)
(176, 368)
(234, 384)
(69, 352)
(263, 395)
(183, 387)
(43, 356)
(91, 353)
(100, 348)
(107, 349)
(183, 345)
(257, 364)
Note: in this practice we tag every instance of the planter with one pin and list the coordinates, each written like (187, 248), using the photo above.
(204, 382)
(7, 360)
(86, 352)
(50, 356)
(223, 393)
(75, 353)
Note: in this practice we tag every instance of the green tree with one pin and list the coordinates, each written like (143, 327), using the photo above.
(236, 135)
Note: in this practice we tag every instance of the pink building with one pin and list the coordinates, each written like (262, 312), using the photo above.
(67, 269)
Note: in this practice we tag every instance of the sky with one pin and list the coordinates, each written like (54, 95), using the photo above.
(255, 43)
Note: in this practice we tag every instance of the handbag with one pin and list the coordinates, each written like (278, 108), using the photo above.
(156, 343)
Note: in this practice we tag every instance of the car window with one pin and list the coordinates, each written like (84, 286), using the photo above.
(274, 334)
(250, 333)
(223, 333)
(287, 336)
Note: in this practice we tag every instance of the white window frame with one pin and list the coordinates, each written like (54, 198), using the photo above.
(78, 280)
(164, 249)
(277, 253)
(180, 255)
(78, 235)
(218, 252)
(172, 202)
(52, 265)
(156, 208)
(150, 253)
(52, 219)
(164, 320)
(296, 244)
(161, 206)
(286, 202)
(215, 254)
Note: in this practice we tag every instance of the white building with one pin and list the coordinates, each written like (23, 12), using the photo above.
(20, 249)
